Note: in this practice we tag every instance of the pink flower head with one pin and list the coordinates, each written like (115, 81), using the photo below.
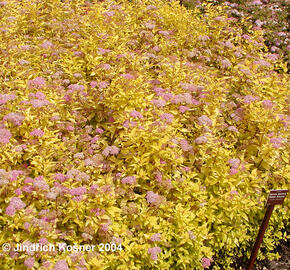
(155, 237)
(204, 120)
(102, 51)
(154, 252)
(5, 135)
(201, 140)
(167, 116)
(184, 145)
(158, 102)
(15, 118)
(183, 109)
(257, 2)
(60, 177)
(40, 183)
(46, 44)
(206, 262)
(233, 171)
(248, 99)
(226, 63)
(6, 97)
(78, 191)
(129, 180)
(61, 265)
(37, 103)
(113, 150)
(234, 192)
(99, 131)
(38, 83)
(29, 263)
(37, 133)
(10, 211)
(152, 198)
(17, 203)
(127, 76)
(232, 128)
(136, 114)
(93, 84)
(103, 84)
(76, 87)
(234, 162)
(276, 142)
(268, 104)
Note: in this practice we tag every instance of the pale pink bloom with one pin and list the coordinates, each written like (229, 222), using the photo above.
(158, 102)
(78, 53)
(40, 183)
(257, 2)
(248, 99)
(273, 56)
(6, 97)
(109, 13)
(149, 25)
(79, 155)
(37, 103)
(78, 75)
(276, 142)
(233, 171)
(136, 114)
(184, 145)
(105, 66)
(76, 87)
(103, 84)
(115, 150)
(26, 226)
(5, 135)
(232, 128)
(37, 132)
(155, 237)
(61, 265)
(201, 140)
(46, 44)
(60, 177)
(204, 38)
(234, 162)
(151, 7)
(102, 51)
(127, 76)
(15, 118)
(191, 235)
(268, 104)
(204, 120)
(99, 130)
(154, 252)
(226, 63)
(10, 211)
(152, 198)
(23, 62)
(234, 192)
(78, 191)
(29, 263)
(38, 83)
(167, 116)
(206, 262)
(15, 174)
(129, 180)
(183, 109)
(229, 44)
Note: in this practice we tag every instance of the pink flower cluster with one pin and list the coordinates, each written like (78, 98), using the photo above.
(167, 116)
(153, 198)
(136, 114)
(158, 102)
(154, 252)
(61, 265)
(129, 180)
(6, 97)
(5, 135)
(15, 118)
(268, 104)
(113, 150)
(15, 204)
(38, 83)
(78, 191)
(276, 142)
(206, 262)
(155, 237)
(37, 133)
(234, 163)
(204, 120)
(184, 145)
(29, 262)
(40, 183)
(201, 140)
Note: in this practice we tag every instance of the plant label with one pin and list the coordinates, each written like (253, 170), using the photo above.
(276, 196)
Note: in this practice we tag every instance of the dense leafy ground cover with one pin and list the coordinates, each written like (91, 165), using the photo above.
(272, 16)
(140, 123)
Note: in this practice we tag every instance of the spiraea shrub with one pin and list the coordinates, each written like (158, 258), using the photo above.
(143, 124)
